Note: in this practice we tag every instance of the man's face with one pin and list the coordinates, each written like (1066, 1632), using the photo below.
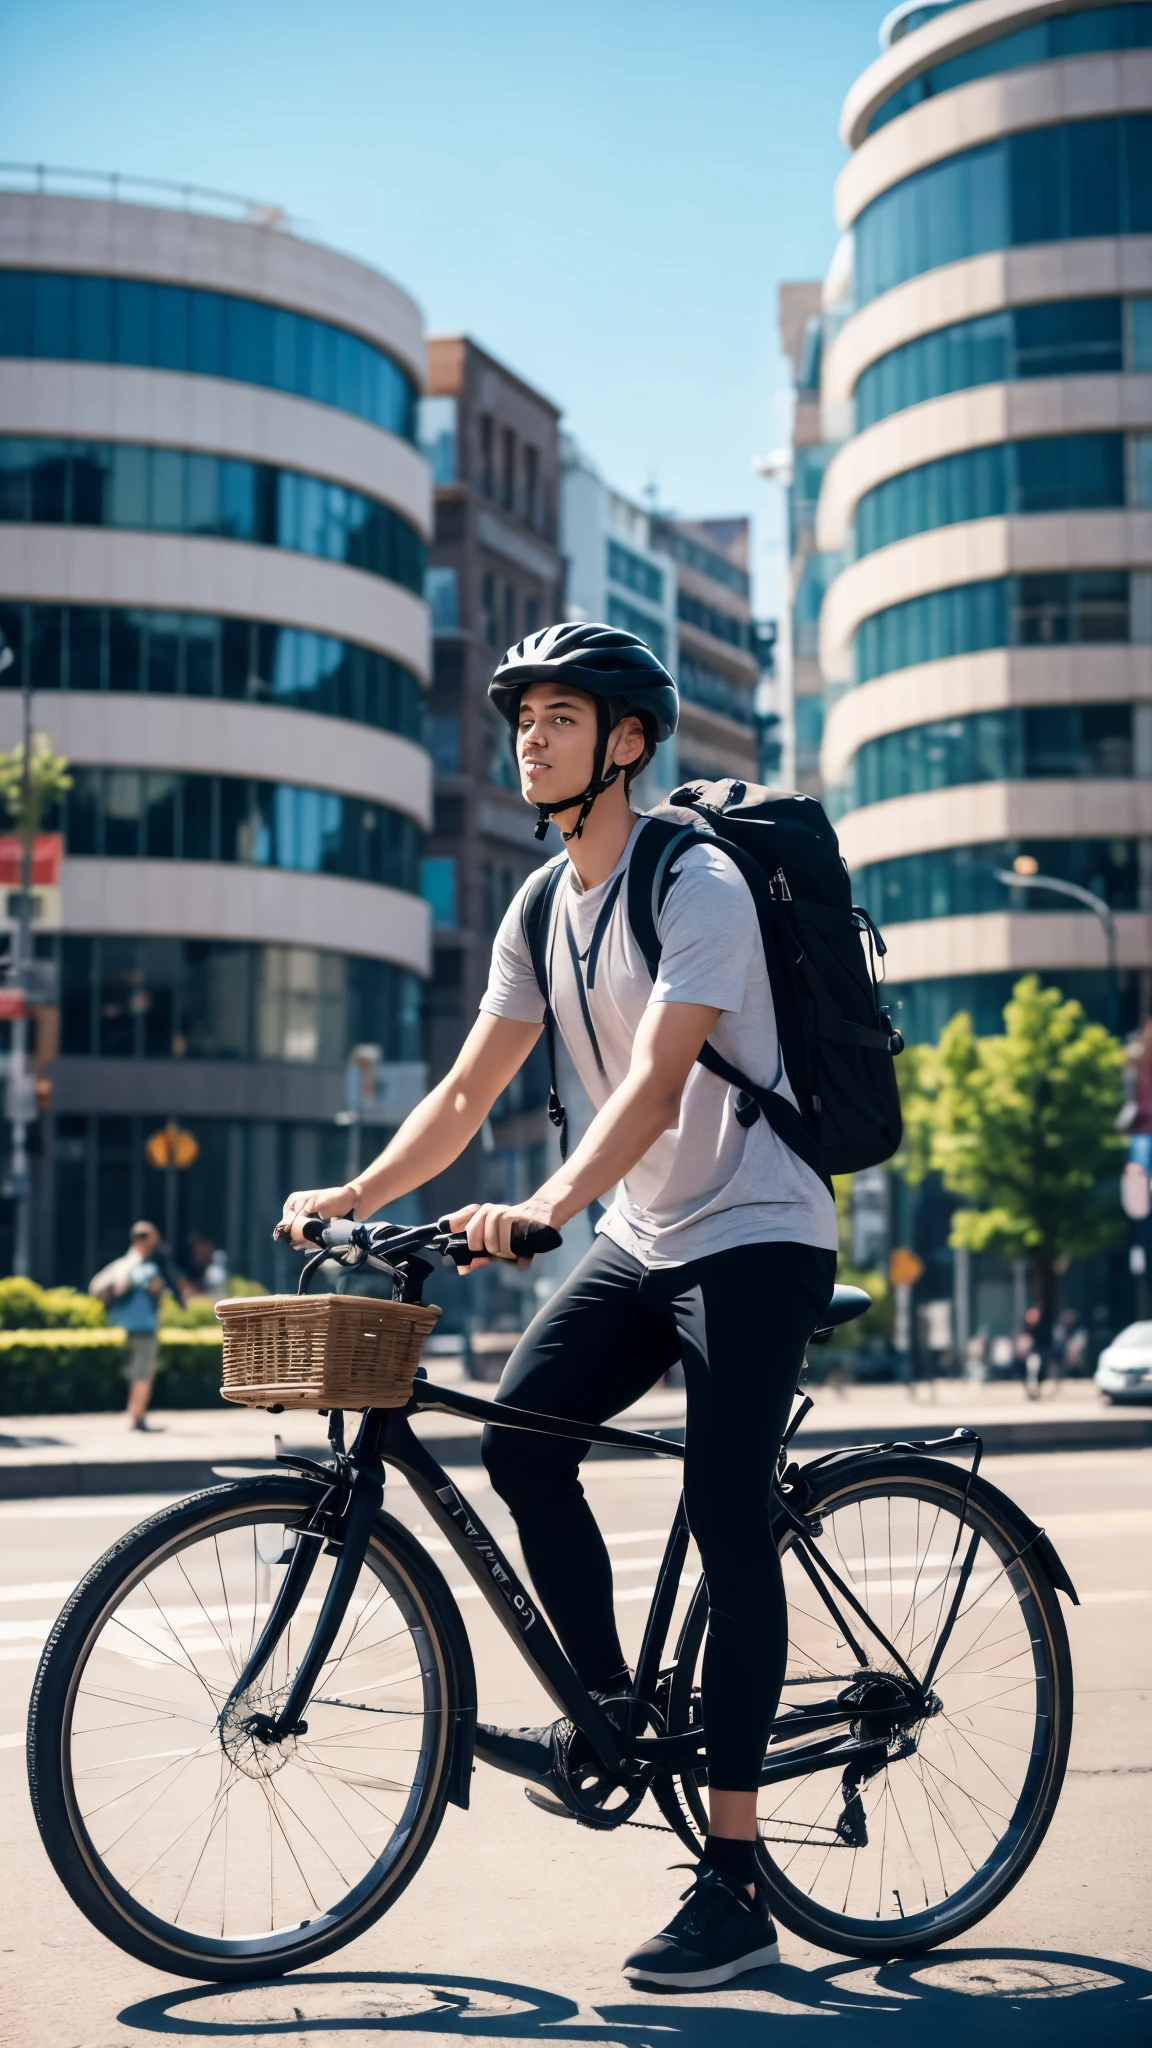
(144, 1242)
(556, 742)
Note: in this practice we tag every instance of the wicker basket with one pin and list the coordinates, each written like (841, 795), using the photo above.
(321, 1350)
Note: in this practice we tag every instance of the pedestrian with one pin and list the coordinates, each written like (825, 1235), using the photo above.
(132, 1287)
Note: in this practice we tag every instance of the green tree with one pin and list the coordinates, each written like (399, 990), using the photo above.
(1022, 1128)
(48, 781)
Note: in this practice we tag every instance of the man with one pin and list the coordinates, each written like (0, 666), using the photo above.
(718, 1248)
(132, 1287)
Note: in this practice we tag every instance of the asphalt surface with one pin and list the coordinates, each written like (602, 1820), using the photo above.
(516, 1926)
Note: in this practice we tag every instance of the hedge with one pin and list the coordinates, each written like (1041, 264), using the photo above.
(25, 1306)
(78, 1372)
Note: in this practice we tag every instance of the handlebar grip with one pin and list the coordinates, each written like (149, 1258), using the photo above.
(539, 1237)
(332, 1232)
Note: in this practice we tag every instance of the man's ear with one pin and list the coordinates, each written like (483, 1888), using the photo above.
(627, 743)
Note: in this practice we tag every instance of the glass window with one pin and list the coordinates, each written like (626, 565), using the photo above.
(1141, 445)
(442, 595)
(170, 327)
(125, 649)
(133, 304)
(162, 654)
(1075, 34)
(91, 483)
(1065, 741)
(1064, 338)
(635, 573)
(630, 619)
(1047, 474)
(201, 655)
(170, 330)
(167, 492)
(1040, 184)
(1019, 611)
(438, 437)
(1140, 315)
(51, 314)
(49, 479)
(93, 319)
(16, 312)
(87, 647)
(45, 645)
(438, 888)
(128, 493)
(961, 881)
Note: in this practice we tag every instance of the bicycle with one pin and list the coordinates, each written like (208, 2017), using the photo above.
(250, 1715)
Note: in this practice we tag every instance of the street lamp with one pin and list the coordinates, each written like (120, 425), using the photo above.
(1023, 875)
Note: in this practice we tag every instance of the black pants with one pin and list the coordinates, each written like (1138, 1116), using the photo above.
(739, 1320)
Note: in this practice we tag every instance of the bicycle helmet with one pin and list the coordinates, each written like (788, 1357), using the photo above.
(616, 668)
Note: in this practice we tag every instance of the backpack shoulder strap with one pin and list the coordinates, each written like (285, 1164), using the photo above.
(649, 873)
(536, 923)
(536, 916)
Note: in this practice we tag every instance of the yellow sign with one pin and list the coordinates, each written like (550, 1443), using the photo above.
(904, 1268)
(171, 1147)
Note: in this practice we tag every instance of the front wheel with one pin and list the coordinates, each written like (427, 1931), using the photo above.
(185, 1841)
(892, 1862)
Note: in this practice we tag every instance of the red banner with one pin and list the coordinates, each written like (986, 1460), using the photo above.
(47, 853)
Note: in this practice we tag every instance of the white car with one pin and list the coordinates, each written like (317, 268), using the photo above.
(1124, 1368)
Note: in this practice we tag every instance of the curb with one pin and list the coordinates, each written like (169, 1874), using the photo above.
(76, 1477)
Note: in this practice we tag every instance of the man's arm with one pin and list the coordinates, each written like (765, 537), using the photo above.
(646, 1104)
(438, 1129)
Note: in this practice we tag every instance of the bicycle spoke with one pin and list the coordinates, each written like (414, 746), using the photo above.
(315, 1814)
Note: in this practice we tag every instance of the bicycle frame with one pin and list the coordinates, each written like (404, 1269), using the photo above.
(344, 1519)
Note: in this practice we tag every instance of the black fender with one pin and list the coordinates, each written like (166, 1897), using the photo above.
(809, 1482)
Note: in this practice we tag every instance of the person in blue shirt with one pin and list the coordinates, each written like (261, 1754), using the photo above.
(132, 1288)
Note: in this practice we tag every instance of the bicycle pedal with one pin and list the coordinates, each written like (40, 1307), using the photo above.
(547, 1804)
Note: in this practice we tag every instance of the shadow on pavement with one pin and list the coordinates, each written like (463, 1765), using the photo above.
(1008, 1996)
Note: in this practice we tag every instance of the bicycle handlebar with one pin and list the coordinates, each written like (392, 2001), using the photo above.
(388, 1241)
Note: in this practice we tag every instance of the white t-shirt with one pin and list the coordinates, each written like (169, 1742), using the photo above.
(710, 1183)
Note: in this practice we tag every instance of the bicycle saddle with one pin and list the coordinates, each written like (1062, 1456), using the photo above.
(846, 1304)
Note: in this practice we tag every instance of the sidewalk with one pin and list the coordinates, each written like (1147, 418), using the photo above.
(95, 1454)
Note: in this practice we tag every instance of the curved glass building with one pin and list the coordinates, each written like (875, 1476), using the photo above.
(214, 521)
(987, 642)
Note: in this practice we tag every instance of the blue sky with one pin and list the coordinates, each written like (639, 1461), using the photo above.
(604, 195)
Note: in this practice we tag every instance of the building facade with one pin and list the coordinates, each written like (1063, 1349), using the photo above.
(615, 573)
(214, 519)
(799, 469)
(495, 575)
(722, 652)
(987, 645)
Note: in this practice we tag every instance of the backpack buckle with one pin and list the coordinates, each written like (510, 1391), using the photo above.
(747, 1110)
(778, 887)
(895, 1038)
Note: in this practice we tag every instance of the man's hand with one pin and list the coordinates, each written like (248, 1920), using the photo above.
(489, 1226)
(314, 1202)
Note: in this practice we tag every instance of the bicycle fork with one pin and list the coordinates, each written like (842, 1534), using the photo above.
(353, 1533)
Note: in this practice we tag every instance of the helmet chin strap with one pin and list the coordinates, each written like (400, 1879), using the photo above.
(601, 781)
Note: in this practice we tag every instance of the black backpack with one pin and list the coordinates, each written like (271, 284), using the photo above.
(837, 1044)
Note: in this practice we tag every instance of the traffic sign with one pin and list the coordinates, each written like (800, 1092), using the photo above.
(171, 1147)
(904, 1268)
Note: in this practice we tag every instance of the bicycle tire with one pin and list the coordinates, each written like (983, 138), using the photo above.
(935, 1483)
(395, 1557)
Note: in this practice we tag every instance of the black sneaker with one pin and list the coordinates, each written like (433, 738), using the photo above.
(535, 1753)
(718, 1933)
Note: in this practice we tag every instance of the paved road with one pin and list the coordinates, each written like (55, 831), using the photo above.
(515, 1929)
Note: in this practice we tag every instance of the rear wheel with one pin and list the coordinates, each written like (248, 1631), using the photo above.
(187, 1842)
(895, 1861)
